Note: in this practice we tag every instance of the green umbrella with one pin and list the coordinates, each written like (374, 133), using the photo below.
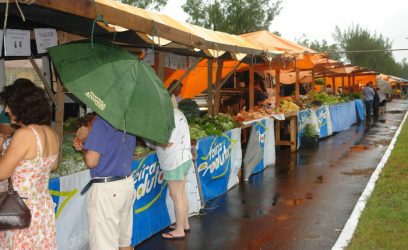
(116, 85)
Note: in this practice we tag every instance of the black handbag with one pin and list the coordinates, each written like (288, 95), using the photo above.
(14, 213)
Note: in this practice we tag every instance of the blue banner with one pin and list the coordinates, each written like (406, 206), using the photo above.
(214, 164)
(306, 116)
(150, 210)
(360, 109)
(343, 115)
(260, 128)
(54, 185)
(324, 120)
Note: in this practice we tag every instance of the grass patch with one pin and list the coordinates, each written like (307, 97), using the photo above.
(384, 221)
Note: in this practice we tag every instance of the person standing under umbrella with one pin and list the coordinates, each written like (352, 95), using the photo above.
(175, 160)
(108, 153)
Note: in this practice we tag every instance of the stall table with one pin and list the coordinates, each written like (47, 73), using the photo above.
(290, 117)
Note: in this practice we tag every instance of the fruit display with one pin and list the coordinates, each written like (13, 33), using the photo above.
(288, 106)
(253, 115)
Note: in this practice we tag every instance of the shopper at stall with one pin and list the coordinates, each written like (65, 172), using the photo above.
(383, 100)
(175, 160)
(368, 98)
(28, 160)
(108, 153)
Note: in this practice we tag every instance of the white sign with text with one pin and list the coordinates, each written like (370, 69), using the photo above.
(44, 39)
(17, 42)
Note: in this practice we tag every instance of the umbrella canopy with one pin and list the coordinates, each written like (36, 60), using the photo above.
(384, 86)
(117, 86)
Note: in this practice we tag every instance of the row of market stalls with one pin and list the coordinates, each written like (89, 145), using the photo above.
(203, 61)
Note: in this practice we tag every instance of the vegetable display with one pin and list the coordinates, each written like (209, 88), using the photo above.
(210, 125)
(72, 161)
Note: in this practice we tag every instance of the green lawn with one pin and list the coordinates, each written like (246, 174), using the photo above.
(384, 222)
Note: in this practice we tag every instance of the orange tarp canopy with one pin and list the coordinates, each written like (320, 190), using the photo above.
(359, 80)
(197, 79)
(271, 42)
(300, 56)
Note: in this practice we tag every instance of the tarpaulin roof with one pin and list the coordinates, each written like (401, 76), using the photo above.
(294, 54)
(69, 17)
(271, 42)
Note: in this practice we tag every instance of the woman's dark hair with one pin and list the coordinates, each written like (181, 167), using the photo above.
(28, 103)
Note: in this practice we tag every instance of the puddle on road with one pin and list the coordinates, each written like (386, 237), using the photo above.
(319, 179)
(361, 147)
(275, 199)
(283, 217)
(366, 172)
(294, 202)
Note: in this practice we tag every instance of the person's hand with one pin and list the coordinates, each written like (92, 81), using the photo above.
(81, 135)
(77, 143)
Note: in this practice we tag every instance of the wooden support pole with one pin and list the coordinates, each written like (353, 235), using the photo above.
(277, 87)
(217, 94)
(219, 86)
(354, 81)
(342, 83)
(43, 80)
(297, 85)
(210, 88)
(313, 83)
(179, 81)
(334, 84)
(251, 88)
(59, 113)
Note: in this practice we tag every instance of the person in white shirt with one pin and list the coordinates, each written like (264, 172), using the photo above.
(175, 160)
(383, 100)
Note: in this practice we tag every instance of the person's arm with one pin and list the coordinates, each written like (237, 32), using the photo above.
(91, 158)
(14, 154)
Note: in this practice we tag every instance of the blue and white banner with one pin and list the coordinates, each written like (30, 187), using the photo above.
(153, 207)
(360, 109)
(150, 209)
(70, 210)
(324, 121)
(214, 163)
(305, 117)
(343, 115)
(260, 151)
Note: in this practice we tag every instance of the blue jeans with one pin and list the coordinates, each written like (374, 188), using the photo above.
(369, 108)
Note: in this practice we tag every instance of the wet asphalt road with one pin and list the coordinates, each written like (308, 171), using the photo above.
(301, 203)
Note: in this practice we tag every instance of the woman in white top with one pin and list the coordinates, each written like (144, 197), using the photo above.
(175, 160)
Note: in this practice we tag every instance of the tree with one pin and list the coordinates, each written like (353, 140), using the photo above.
(232, 16)
(146, 4)
(322, 46)
(370, 50)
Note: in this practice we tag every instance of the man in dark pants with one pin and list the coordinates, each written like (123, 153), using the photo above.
(368, 98)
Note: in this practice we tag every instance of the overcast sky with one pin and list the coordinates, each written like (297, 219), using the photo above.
(317, 19)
